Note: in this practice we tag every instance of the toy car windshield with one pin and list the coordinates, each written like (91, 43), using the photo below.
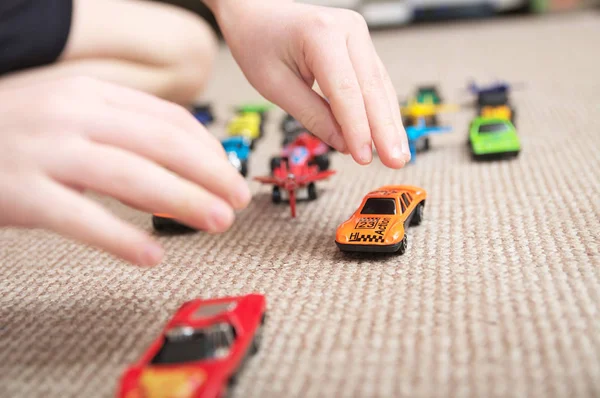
(379, 206)
(186, 344)
(493, 128)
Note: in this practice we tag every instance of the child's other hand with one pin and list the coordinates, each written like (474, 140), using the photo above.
(283, 48)
(60, 138)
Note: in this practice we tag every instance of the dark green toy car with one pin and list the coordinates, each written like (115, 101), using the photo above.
(428, 95)
(493, 138)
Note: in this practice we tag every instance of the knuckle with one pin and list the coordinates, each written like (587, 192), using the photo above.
(347, 85)
(322, 20)
(388, 123)
(309, 119)
(374, 83)
(356, 18)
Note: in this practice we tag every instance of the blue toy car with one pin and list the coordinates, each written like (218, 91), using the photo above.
(204, 114)
(238, 152)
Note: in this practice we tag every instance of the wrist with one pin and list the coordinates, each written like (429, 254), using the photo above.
(228, 9)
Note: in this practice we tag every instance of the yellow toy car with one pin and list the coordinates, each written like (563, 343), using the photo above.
(246, 124)
(504, 112)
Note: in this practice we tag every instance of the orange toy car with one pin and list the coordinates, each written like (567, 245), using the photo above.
(379, 224)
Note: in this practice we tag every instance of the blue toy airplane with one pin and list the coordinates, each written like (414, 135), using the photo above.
(418, 139)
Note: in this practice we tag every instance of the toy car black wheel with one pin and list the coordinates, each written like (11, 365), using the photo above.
(244, 168)
(422, 144)
(513, 116)
(322, 161)
(276, 195)
(417, 216)
(275, 163)
(312, 191)
(169, 225)
(159, 224)
(256, 341)
(403, 245)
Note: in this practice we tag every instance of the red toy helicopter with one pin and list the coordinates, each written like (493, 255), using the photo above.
(293, 173)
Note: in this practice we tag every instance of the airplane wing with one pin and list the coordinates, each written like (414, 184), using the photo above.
(269, 180)
(414, 133)
(316, 177)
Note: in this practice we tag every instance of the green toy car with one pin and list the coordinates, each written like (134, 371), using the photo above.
(261, 108)
(493, 138)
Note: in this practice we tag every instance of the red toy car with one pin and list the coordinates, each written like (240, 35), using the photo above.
(200, 350)
(305, 149)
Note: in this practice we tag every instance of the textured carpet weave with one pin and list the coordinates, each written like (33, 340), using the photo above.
(497, 295)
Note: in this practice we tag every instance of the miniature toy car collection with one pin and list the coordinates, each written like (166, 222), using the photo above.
(379, 224)
(200, 351)
(207, 342)
(238, 152)
(493, 138)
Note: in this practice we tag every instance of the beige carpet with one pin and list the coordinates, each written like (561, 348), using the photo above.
(497, 296)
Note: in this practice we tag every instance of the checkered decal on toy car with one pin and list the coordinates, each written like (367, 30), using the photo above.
(358, 237)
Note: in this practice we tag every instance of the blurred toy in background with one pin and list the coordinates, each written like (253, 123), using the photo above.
(380, 222)
(506, 112)
(305, 149)
(428, 95)
(493, 138)
(204, 113)
(249, 121)
(247, 124)
(293, 174)
(238, 152)
(261, 108)
(491, 95)
(201, 351)
(418, 137)
(412, 111)
(165, 223)
(291, 128)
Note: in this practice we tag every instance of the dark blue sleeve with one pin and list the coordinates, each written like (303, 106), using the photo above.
(33, 32)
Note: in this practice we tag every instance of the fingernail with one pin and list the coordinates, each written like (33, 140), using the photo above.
(365, 153)
(398, 155)
(152, 255)
(406, 152)
(397, 152)
(221, 217)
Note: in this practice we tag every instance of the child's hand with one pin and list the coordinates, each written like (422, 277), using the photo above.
(283, 47)
(59, 138)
